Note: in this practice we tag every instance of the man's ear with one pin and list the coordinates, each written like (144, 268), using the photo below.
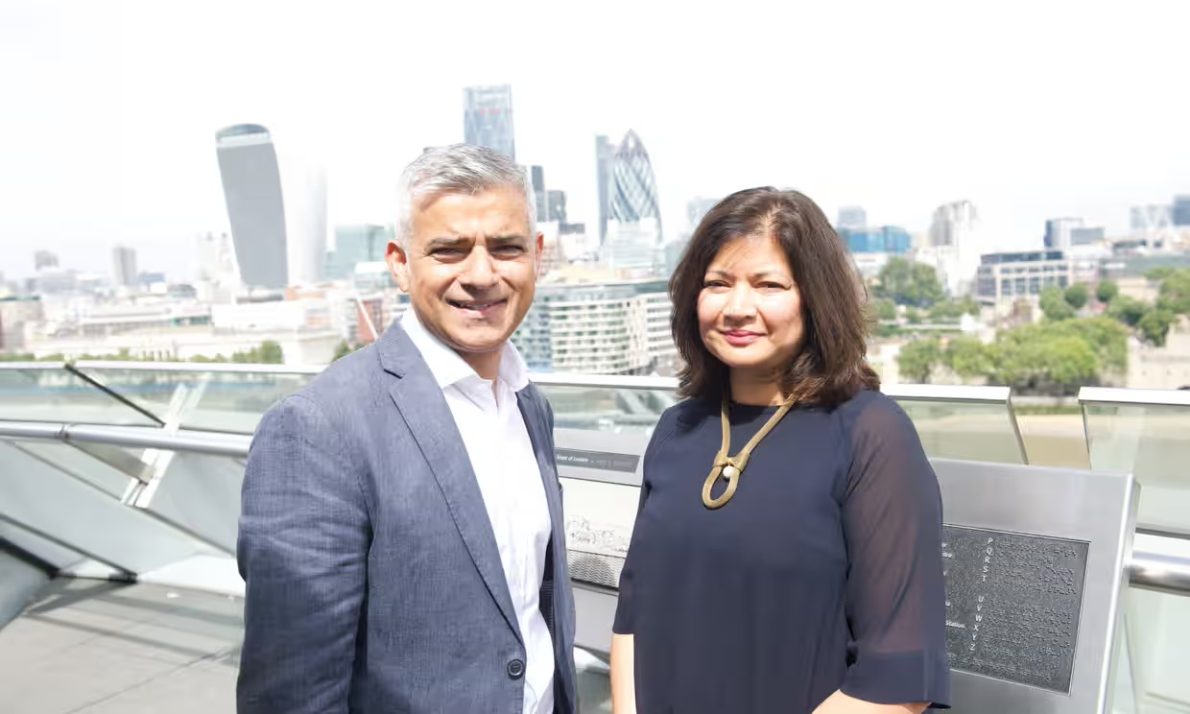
(398, 264)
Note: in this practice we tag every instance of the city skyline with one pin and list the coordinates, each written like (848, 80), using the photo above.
(960, 119)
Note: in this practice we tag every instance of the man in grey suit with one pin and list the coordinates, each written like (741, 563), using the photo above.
(402, 537)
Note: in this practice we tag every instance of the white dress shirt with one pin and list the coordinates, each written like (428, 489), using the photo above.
(505, 466)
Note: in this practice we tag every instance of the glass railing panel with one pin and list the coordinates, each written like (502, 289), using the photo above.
(1155, 681)
(57, 506)
(956, 422)
(1054, 437)
(594, 683)
(50, 392)
(43, 549)
(200, 493)
(614, 409)
(1146, 432)
(77, 462)
(219, 398)
(1124, 694)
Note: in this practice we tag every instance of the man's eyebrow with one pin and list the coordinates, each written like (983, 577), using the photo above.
(506, 239)
(448, 242)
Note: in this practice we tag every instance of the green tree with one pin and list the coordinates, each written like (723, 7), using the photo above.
(918, 359)
(270, 352)
(1174, 293)
(1054, 305)
(1161, 272)
(885, 309)
(1128, 310)
(1050, 364)
(343, 349)
(907, 283)
(953, 310)
(1108, 338)
(968, 357)
(1155, 326)
(1106, 291)
(1077, 296)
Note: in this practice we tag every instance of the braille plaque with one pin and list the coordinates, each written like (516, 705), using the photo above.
(1012, 604)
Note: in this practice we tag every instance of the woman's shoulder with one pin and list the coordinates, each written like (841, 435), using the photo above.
(871, 411)
(682, 417)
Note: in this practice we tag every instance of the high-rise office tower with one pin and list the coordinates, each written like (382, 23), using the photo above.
(252, 189)
(43, 259)
(555, 202)
(604, 151)
(852, 218)
(537, 179)
(1058, 230)
(277, 209)
(1180, 211)
(955, 245)
(487, 118)
(124, 266)
(634, 188)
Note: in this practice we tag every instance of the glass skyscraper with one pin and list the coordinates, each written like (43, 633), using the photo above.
(634, 189)
(882, 239)
(356, 244)
(604, 152)
(1180, 211)
(487, 118)
(252, 188)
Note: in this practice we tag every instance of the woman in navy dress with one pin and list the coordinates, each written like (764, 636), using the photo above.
(787, 552)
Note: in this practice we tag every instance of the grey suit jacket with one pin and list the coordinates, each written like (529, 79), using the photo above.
(374, 583)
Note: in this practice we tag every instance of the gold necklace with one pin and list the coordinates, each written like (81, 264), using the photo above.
(730, 467)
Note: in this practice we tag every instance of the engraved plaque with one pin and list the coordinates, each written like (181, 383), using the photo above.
(602, 460)
(1012, 604)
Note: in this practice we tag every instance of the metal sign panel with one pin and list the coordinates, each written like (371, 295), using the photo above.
(1035, 566)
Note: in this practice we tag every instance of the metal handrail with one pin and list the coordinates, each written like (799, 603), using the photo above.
(134, 437)
(570, 379)
(32, 365)
(948, 393)
(228, 367)
(1138, 397)
(1159, 571)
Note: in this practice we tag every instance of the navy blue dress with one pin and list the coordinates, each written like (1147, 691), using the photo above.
(823, 572)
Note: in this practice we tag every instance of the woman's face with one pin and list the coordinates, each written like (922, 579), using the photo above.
(750, 309)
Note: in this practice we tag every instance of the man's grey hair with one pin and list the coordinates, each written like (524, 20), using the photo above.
(458, 168)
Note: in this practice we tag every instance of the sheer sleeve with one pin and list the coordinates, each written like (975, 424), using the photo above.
(625, 613)
(896, 600)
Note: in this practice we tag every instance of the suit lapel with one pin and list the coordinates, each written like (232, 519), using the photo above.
(543, 447)
(424, 409)
(535, 424)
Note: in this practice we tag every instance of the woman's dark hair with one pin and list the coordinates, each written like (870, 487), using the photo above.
(830, 365)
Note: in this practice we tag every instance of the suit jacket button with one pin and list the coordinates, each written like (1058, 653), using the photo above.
(516, 669)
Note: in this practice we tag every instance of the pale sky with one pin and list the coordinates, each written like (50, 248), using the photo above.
(1031, 109)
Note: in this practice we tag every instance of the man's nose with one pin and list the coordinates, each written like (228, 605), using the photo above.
(479, 270)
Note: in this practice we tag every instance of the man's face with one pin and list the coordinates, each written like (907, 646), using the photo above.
(470, 267)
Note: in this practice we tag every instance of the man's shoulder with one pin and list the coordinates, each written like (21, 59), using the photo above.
(347, 386)
(346, 379)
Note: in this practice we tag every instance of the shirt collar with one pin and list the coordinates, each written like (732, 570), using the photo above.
(449, 368)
